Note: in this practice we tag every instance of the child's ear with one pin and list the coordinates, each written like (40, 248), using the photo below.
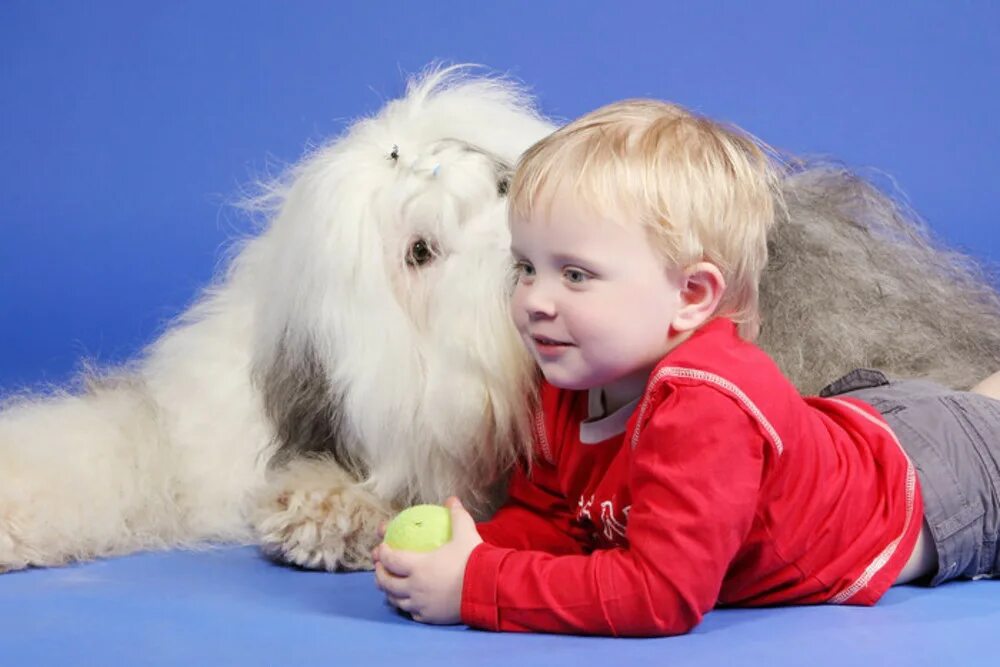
(702, 286)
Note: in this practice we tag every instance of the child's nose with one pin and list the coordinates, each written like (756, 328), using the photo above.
(538, 301)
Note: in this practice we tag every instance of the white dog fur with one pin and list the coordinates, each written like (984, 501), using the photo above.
(357, 355)
(415, 369)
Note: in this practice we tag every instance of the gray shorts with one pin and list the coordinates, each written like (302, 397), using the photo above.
(953, 439)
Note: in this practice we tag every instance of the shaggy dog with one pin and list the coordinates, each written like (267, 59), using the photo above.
(357, 355)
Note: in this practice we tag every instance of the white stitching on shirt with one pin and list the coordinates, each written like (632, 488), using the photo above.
(883, 558)
(726, 385)
(543, 438)
(880, 561)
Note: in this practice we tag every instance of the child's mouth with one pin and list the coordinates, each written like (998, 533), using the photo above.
(546, 344)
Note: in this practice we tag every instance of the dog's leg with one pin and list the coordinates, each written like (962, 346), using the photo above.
(314, 515)
(73, 482)
(164, 455)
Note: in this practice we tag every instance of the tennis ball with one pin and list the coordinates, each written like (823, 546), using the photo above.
(419, 528)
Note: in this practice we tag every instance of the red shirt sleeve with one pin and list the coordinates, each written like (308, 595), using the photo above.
(694, 485)
(535, 515)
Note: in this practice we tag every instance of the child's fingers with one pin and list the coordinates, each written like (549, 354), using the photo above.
(398, 563)
(381, 577)
(461, 521)
(402, 604)
(381, 530)
(396, 588)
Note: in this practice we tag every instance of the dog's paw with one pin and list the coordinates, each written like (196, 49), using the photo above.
(11, 553)
(314, 516)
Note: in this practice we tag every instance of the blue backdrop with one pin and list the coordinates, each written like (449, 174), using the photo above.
(125, 128)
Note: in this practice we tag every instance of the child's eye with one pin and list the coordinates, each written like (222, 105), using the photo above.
(523, 268)
(576, 276)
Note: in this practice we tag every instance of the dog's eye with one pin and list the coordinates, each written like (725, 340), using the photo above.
(420, 253)
(503, 184)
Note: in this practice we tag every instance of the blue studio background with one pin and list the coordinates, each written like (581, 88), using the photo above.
(127, 128)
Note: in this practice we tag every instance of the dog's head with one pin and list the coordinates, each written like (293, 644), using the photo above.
(382, 335)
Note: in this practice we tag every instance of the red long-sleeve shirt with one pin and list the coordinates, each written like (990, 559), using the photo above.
(723, 487)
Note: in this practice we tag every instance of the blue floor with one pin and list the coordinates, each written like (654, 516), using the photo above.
(231, 607)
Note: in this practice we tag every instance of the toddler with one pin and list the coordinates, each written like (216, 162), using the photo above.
(675, 468)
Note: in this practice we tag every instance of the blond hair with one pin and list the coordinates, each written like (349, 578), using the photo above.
(705, 191)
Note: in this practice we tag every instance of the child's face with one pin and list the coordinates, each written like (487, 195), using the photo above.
(593, 301)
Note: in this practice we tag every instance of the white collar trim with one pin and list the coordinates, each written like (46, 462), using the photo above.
(594, 430)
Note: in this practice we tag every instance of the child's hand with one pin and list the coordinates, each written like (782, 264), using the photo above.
(381, 536)
(428, 585)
